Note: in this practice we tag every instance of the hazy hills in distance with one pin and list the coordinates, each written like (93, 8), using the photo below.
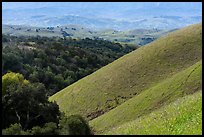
(97, 15)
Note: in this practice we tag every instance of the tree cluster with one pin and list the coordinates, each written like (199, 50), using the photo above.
(57, 62)
(27, 111)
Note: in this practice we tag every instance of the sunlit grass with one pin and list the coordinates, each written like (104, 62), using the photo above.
(183, 83)
(141, 81)
(182, 117)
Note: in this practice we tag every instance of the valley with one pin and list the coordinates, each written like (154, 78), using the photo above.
(93, 68)
(132, 37)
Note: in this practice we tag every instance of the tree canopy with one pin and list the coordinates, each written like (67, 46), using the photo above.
(12, 79)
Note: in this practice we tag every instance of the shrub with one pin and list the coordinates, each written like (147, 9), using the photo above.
(48, 129)
(74, 125)
(14, 129)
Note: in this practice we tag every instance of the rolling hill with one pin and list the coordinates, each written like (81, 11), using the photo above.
(116, 15)
(139, 82)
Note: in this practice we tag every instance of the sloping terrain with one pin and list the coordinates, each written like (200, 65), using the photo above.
(131, 74)
(183, 83)
(182, 117)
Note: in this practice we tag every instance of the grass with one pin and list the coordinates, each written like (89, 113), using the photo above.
(181, 117)
(181, 84)
(132, 74)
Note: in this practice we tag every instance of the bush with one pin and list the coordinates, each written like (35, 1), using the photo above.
(74, 125)
(48, 129)
(14, 129)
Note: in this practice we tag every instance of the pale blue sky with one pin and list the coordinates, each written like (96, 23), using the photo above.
(13, 5)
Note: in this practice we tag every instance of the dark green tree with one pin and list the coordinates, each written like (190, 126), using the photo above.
(28, 105)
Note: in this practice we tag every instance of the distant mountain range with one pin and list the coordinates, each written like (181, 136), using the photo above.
(106, 15)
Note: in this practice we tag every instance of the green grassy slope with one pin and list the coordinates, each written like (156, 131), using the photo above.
(131, 74)
(182, 117)
(183, 83)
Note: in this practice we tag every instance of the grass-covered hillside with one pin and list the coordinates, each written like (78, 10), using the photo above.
(132, 74)
(182, 117)
(183, 83)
